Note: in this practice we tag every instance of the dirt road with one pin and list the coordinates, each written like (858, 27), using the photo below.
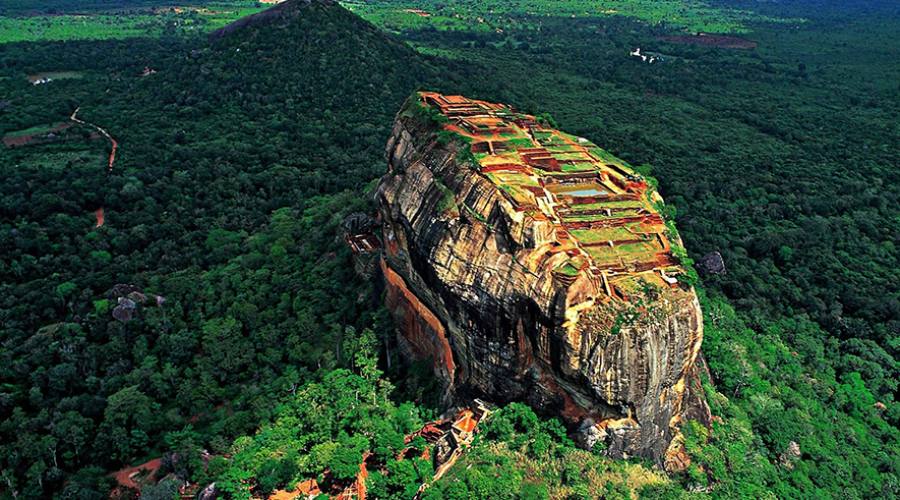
(112, 155)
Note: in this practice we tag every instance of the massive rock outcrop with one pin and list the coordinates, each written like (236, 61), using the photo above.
(531, 265)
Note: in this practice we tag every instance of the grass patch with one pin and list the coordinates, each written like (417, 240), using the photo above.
(583, 167)
(603, 234)
(631, 204)
(583, 218)
(628, 252)
(61, 160)
(512, 178)
(106, 25)
(37, 129)
(489, 15)
(520, 142)
(447, 204)
(567, 269)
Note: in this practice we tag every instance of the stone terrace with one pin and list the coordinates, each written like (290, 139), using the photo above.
(603, 212)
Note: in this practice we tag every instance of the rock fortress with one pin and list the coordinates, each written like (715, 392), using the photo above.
(531, 265)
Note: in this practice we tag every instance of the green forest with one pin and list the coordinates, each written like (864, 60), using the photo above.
(250, 354)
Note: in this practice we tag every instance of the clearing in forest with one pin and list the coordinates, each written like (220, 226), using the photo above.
(35, 135)
(49, 76)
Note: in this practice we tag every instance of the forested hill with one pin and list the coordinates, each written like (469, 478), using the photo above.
(237, 162)
(284, 13)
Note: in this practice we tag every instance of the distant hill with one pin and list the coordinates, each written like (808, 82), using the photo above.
(284, 12)
(306, 73)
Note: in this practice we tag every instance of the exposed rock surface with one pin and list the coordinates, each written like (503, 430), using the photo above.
(790, 455)
(711, 263)
(210, 492)
(128, 298)
(474, 285)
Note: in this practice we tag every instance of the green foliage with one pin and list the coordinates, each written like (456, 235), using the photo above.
(447, 202)
(104, 22)
(546, 119)
(234, 222)
(776, 396)
(464, 15)
(465, 157)
(63, 290)
(445, 137)
(326, 425)
(427, 114)
(101, 307)
(344, 462)
(129, 416)
(239, 158)
(519, 455)
(400, 480)
(187, 446)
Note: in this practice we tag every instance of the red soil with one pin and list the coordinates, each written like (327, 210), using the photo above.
(104, 133)
(126, 477)
(112, 154)
(721, 41)
(418, 12)
(303, 490)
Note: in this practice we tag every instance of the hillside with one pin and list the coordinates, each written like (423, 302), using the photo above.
(231, 182)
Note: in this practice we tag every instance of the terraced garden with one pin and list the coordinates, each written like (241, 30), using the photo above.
(603, 212)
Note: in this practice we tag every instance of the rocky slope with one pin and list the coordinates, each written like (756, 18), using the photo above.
(531, 265)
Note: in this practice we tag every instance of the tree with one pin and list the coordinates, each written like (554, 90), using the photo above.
(129, 416)
(185, 454)
(401, 480)
(227, 349)
(344, 464)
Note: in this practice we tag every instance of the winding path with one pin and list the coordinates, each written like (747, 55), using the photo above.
(99, 213)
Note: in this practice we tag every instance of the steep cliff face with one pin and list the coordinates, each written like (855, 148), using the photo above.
(531, 265)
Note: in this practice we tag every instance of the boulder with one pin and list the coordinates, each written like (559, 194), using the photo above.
(711, 263)
(474, 284)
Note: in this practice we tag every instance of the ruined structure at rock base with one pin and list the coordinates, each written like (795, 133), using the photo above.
(358, 232)
(449, 437)
(531, 265)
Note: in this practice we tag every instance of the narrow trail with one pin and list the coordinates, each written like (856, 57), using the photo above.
(99, 213)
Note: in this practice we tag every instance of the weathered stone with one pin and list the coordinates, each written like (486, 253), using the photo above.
(468, 282)
(711, 263)
(358, 223)
(588, 434)
(790, 455)
(124, 311)
(210, 492)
